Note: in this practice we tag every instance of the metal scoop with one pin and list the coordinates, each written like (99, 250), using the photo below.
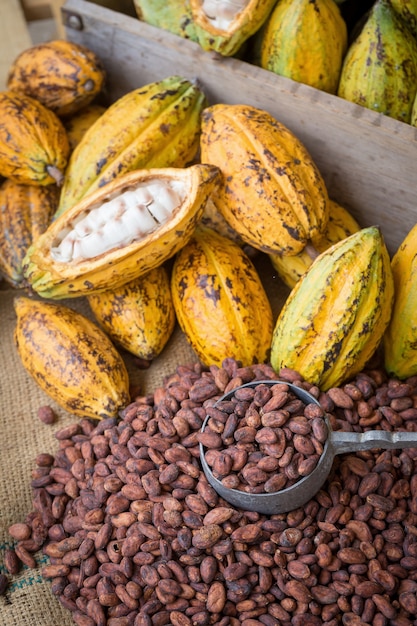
(299, 493)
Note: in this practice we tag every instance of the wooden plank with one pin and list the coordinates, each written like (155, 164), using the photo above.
(367, 159)
(14, 36)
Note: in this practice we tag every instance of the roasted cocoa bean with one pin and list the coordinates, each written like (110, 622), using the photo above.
(132, 527)
(11, 561)
(264, 438)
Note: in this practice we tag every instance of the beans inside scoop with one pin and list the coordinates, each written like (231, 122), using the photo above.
(263, 439)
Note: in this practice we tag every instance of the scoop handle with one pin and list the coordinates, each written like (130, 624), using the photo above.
(342, 442)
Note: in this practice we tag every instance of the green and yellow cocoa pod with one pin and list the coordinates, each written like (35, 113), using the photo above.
(336, 315)
(34, 146)
(25, 213)
(219, 300)
(70, 358)
(273, 194)
(379, 70)
(138, 316)
(341, 224)
(224, 26)
(157, 125)
(170, 15)
(64, 76)
(120, 231)
(400, 339)
(305, 40)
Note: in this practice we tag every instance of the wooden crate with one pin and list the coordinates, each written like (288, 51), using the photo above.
(368, 160)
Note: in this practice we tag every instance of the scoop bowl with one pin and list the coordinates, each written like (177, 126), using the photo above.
(298, 494)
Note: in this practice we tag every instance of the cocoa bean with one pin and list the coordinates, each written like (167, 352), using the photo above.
(207, 536)
(298, 590)
(340, 398)
(218, 515)
(11, 561)
(24, 556)
(46, 414)
(19, 531)
(216, 597)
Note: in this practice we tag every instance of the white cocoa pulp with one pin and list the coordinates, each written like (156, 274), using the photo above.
(119, 221)
(222, 13)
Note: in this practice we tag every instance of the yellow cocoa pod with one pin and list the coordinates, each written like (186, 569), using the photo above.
(225, 25)
(64, 76)
(70, 358)
(138, 316)
(78, 124)
(119, 232)
(305, 40)
(219, 300)
(273, 194)
(400, 339)
(25, 213)
(335, 317)
(341, 224)
(157, 125)
(34, 146)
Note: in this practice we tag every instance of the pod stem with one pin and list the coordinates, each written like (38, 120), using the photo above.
(312, 252)
(56, 174)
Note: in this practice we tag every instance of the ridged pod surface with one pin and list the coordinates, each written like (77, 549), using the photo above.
(379, 70)
(212, 218)
(116, 246)
(400, 339)
(273, 194)
(407, 9)
(34, 146)
(77, 125)
(219, 300)
(341, 224)
(138, 316)
(335, 317)
(70, 358)
(157, 125)
(305, 40)
(62, 75)
(25, 213)
(224, 26)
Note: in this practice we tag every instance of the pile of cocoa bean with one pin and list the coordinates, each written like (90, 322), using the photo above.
(136, 536)
(263, 438)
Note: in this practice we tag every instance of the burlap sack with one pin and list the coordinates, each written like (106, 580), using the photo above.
(28, 600)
